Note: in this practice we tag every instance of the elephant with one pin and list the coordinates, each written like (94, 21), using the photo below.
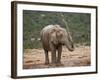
(53, 37)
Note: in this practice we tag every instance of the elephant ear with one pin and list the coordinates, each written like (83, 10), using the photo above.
(53, 37)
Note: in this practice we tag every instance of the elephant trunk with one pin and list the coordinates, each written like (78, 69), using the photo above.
(69, 44)
(70, 47)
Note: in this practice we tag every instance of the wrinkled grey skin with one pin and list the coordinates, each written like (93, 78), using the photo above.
(53, 37)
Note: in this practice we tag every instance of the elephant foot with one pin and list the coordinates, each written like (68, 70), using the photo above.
(53, 64)
(59, 64)
(46, 63)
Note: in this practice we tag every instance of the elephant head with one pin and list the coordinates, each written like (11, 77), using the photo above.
(61, 36)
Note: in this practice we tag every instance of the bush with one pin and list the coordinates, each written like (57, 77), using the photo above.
(34, 21)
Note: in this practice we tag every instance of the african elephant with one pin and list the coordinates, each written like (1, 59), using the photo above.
(53, 37)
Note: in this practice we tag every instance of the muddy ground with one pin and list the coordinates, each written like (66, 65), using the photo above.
(34, 58)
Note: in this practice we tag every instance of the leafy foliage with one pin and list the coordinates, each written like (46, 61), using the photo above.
(34, 21)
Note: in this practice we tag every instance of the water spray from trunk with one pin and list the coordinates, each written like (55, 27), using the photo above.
(67, 28)
(65, 22)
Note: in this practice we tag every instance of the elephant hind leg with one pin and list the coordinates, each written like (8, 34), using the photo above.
(46, 57)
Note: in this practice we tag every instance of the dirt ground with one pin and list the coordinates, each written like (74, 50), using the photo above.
(35, 58)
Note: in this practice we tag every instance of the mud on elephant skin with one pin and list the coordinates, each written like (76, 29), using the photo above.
(53, 37)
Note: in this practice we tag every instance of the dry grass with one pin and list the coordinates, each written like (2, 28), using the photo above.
(34, 58)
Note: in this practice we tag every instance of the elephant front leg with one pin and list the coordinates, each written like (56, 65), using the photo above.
(53, 57)
(46, 57)
(59, 56)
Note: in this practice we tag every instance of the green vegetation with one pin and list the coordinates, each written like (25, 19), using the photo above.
(34, 21)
